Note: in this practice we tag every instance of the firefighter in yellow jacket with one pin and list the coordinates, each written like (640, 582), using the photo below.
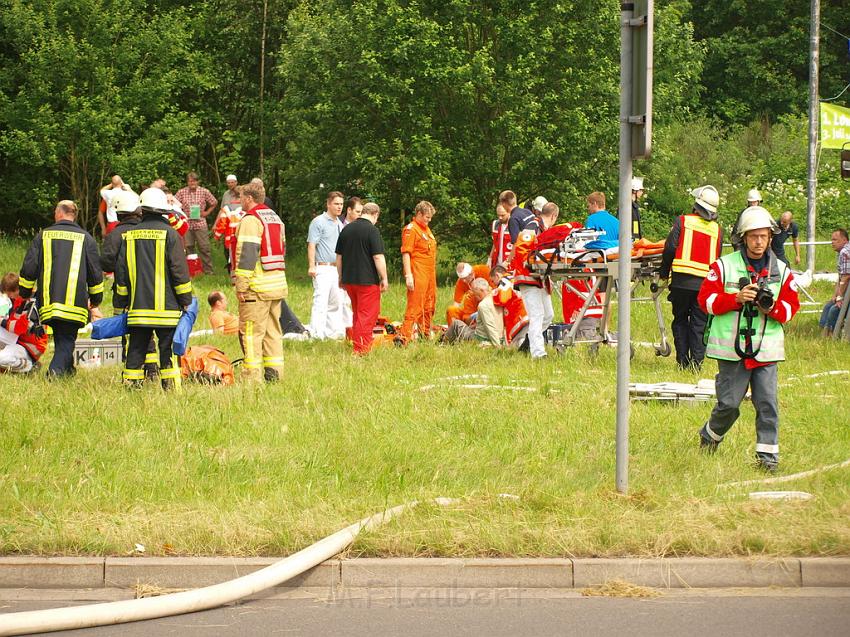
(62, 267)
(152, 284)
(259, 276)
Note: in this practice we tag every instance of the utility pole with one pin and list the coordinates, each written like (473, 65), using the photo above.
(636, 26)
(814, 106)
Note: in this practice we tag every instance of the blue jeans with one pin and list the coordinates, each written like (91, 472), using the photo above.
(829, 316)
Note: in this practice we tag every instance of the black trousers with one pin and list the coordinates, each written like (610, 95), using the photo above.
(688, 327)
(64, 340)
(138, 342)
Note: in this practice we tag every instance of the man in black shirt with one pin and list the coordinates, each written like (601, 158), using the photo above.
(363, 273)
(787, 228)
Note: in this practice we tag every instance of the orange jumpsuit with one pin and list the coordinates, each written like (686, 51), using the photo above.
(418, 241)
(463, 310)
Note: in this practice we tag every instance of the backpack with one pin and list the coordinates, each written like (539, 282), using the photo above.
(206, 364)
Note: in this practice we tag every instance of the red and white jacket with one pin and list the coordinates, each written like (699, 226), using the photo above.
(501, 243)
(515, 315)
(20, 322)
(572, 299)
(714, 299)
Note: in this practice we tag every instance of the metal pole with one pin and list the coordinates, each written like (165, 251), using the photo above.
(814, 106)
(624, 289)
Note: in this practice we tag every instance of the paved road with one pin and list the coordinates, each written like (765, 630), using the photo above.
(748, 613)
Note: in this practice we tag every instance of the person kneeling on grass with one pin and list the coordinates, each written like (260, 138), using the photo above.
(22, 338)
(488, 327)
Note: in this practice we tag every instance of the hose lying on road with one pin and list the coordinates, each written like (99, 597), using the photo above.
(43, 621)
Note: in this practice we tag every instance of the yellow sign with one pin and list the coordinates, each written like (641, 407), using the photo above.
(834, 126)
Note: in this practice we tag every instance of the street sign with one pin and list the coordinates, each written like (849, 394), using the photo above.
(642, 24)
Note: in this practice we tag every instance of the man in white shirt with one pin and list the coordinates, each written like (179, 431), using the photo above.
(326, 317)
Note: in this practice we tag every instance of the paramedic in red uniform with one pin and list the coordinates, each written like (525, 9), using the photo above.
(501, 237)
(419, 258)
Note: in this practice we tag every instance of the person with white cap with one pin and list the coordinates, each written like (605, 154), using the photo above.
(637, 193)
(129, 213)
(152, 284)
(692, 246)
(750, 295)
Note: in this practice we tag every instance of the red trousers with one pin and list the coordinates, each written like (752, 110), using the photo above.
(365, 305)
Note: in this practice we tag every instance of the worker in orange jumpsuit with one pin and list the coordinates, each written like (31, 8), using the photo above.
(419, 259)
(463, 300)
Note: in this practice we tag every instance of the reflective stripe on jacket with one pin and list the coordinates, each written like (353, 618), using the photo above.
(698, 247)
(62, 267)
(728, 332)
(151, 274)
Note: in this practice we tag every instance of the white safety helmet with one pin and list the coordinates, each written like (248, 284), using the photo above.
(707, 198)
(755, 218)
(125, 201)
(538, 203)
(637, 184)
(754, 195)
(463, 270)
(154, 198)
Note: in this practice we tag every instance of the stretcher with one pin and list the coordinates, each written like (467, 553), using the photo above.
(571, 260)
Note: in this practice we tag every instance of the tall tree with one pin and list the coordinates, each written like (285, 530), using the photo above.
(757, 55)
(455, 100)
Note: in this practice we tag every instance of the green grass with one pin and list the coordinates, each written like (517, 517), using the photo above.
(87, 467)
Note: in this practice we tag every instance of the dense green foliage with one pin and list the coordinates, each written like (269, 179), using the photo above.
(449, 100)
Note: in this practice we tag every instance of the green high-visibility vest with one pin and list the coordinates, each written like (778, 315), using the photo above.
(728, 330)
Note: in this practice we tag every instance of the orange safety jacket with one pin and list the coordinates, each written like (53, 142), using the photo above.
(698, 247)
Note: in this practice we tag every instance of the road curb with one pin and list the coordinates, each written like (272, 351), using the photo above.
(560, 573)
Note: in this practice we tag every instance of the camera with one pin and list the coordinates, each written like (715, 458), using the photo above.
(764, 295)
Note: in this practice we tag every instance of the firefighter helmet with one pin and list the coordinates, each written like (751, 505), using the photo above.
(707, 198)
(755, 218)
(754, 195)
(125, 201)
(154, 198)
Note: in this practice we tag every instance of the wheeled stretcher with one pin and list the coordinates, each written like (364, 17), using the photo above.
(600, 270)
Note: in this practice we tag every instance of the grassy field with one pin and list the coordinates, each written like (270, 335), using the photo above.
(89, 468)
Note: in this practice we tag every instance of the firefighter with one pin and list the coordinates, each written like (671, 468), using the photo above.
(152, 284)
(750, 295)
(419, 259)
(63, 268)
(128, 209)
(691, 247)
(735, 237)
(259, 276)
(637, 193)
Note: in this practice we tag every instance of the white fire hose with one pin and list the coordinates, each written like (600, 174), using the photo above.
(43, 621)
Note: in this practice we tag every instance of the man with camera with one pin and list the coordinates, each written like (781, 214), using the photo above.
(749, 295)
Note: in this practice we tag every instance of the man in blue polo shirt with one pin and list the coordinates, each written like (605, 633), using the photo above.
(787, 228)
(326, 317)
(601, 219)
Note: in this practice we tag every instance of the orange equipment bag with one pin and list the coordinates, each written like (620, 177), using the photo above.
(206, 364)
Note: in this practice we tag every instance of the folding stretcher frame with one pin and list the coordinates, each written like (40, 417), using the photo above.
(602, 270)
